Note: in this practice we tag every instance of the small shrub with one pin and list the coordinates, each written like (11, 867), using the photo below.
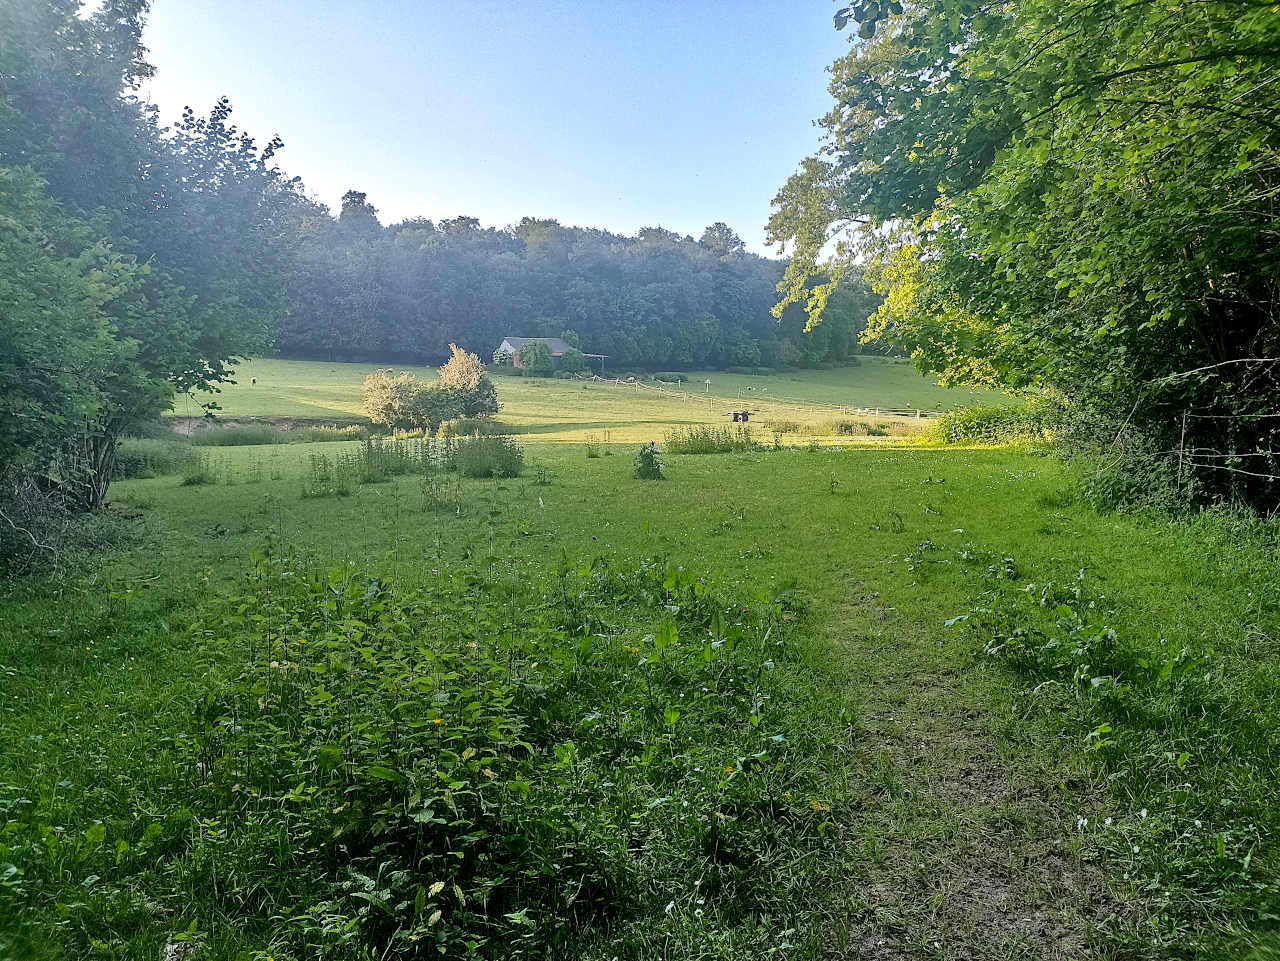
(648, 464)
(705, 439)
(671, 377)
(481, 456)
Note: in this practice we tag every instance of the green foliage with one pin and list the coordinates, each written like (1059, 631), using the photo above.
(239, 435)
(648, 463)
(535, 359)
(671, 377)
(1087, 214)
(480, 456)
(140, 457)
(1170, 728)
(990, 425)
(709, 440)
(405, 402)
(573, 361)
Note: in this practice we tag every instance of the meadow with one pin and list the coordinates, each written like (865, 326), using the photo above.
(829, 698)
(317, 390)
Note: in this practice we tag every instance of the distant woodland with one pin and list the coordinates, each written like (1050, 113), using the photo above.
(361, 291)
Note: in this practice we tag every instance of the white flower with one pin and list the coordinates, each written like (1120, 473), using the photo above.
(1142, 813)
(670, 906)
(1107, 822)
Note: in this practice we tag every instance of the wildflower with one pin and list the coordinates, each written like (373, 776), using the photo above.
(670, 906)
(436, 720)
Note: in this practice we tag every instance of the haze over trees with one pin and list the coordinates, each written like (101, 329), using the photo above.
(657, 300)
(1069, 196)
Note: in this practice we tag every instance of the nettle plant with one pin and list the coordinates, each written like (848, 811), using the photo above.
(487, 765)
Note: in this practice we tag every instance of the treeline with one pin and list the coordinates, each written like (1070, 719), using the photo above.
(361, 291)
(1080, 200)
(135, 260)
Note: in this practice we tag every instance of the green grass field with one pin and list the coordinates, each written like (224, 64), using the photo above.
(317, 390)
(829, 702)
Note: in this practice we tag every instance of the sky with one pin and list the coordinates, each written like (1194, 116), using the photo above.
(596, 113)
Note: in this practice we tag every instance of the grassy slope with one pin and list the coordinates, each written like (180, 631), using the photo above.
(956, 809)
(315, 389)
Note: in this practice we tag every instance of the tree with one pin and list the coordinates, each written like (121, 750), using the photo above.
(722, 241)
(463, 370)
(1078, 198)
(573, 361)
(406, 402)
(465, 376)
(535, 359)
(182, 303)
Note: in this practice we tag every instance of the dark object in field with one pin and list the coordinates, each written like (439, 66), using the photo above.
(740, 416)
(253, 380)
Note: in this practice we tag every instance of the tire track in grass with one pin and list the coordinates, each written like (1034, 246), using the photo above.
(961, 850)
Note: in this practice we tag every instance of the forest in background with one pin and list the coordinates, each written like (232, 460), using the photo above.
(405, 292)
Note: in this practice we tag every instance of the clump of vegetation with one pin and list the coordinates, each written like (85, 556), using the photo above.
(536, 360)
(406, 402)
(1176, 730)
(239, 435)
(199, 471)
(670, 377)
(322, 433)
(706, 439)
(648, 463)
(142, 457)
(990, 425)
(328, 478)
(487, 457)
(463, 374)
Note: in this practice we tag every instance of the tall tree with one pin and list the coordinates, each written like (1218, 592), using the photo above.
(1067, 194)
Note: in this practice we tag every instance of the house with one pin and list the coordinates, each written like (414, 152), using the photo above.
(511, 347)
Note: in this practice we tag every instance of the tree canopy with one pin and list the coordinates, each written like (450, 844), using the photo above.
(1066, 195)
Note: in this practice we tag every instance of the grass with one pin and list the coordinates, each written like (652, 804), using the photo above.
(569, 411)
(797, 703)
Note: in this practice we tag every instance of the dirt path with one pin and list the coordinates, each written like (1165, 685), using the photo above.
(962, 852)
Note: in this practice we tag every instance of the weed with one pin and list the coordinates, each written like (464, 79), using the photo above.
(648, 463)
(704, 439)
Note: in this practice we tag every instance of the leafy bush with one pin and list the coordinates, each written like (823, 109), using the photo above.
(240, 435)
(456, 770)
(406, 402)
(648, 463)
(990, 425)
(671, 377)
(481, 456)
(705, 439)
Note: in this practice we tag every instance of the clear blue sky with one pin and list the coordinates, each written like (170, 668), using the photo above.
(609, 114)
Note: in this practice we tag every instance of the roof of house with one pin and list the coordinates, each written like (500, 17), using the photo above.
(557, 345)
